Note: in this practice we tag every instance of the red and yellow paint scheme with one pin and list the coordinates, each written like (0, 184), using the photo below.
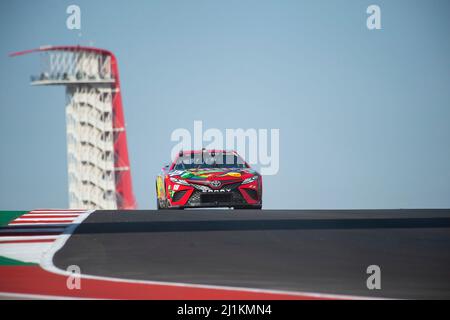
(208, 178)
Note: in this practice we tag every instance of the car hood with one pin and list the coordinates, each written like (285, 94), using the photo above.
(213, 174)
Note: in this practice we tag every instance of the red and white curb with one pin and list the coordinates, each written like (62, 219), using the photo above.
(29, 236)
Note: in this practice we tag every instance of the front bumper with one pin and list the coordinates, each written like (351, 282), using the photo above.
(238, 196)
(208, 199)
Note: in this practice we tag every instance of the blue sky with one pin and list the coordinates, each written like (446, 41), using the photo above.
(363, 115)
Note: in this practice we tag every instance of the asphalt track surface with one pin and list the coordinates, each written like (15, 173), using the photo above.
(314, 251)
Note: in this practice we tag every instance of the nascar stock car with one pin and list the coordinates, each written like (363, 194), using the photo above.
(209, 178)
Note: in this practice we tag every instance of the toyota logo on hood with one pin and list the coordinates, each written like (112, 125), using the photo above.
(215, 183)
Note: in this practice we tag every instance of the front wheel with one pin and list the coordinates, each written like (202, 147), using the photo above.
(159, 204)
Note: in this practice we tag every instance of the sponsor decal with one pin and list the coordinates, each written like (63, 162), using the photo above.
(160, 187)
(176, 173)
(197, 174)
(232, 174)
(171, 192)
(221, 190)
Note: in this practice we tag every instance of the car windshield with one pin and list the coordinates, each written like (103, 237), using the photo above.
(207, 160)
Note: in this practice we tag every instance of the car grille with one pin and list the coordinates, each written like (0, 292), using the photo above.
(234, 197)
(216, 197)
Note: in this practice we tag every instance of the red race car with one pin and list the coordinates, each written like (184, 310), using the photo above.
(209, 178)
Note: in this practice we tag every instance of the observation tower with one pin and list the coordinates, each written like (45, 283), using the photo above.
(99, 173)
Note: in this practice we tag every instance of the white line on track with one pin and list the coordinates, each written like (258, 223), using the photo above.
(27, 252)
(36, 296)
(14, 238)
(58, 211)
(40, 224)
(45, 219)
(50, 215)
(31, 230)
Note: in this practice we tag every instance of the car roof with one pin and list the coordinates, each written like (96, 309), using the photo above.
(184, 152)
(207, 150)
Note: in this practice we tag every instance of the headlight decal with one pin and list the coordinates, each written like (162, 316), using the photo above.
(250, 180)
(180, 181)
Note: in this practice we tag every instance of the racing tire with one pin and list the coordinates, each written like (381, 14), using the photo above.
(158, 202)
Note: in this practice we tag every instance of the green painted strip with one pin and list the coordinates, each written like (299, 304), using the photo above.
(4, 261)
(7, 216)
